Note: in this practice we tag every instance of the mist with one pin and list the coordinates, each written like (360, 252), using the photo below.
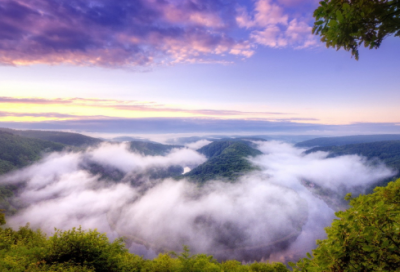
(271, 213)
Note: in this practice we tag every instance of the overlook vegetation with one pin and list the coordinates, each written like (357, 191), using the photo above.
(346, 140)
(226, 159)
(366, 237)
(79, 250)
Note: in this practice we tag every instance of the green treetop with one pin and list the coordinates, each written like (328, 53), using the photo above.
(366, 237)
(350, 23)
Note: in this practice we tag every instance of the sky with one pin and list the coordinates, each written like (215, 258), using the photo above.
(158, 66)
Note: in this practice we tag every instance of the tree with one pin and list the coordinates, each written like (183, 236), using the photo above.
(350, 23)
(366, 237)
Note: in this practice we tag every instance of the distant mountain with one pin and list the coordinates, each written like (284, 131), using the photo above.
(346, 140)
(66, 138)
(386, 151)
(151, 148)
(226, 160)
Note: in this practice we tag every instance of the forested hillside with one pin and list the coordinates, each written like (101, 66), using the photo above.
(386, 151)
(17, 151)
(66, 138)
(226, 159)
(346, 140)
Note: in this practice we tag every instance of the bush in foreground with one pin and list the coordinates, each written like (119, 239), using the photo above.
(80, 250)
(366, 237)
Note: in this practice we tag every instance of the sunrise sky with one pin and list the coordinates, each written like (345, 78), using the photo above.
(134, 66)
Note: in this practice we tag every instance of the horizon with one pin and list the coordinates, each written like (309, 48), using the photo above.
(213, 66)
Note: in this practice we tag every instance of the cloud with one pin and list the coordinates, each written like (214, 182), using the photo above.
(350, 171)
(271, 25)
(204, 125)
(197, 145)
(170, 125)
(115, 108)
(46, 115)
(144, 33)
(109, 33)
(33, 100)
(269, 212)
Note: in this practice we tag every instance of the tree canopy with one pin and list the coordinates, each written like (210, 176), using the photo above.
(89, 251)
(366, 237)
(350, 23)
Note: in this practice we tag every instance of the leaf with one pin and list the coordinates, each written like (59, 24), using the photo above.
(339, 16)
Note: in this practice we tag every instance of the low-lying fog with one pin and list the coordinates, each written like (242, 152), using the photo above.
(275, 211)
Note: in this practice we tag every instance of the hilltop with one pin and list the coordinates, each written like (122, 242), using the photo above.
(17, 151)
(226, 159)
(347, 140)
(65, 138)
(386, 151)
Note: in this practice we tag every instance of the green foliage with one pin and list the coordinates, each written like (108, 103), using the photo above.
(350, 23)
(17, 151)
(85, 248)
(22, 249)
(2, 218)
(366, 237)
(73, 250)
(79, 250)
(227, 159)
(229, 146)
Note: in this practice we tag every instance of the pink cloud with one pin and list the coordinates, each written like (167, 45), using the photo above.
(271, 25)
(115, 33)
(131, 33)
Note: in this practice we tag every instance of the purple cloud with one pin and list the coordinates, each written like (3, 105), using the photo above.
(138, 32)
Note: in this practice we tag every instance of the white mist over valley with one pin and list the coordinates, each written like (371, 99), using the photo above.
(272, 212)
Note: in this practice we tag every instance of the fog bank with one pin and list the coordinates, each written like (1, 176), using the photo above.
(273, 212)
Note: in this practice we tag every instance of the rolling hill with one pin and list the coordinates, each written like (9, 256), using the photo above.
(387, 152)
(347, 140)
(17, 152)
(226, 160)
(66, 138)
